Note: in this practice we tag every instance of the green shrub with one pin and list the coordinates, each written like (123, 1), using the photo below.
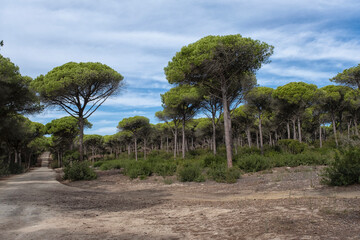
(253, 163)
(220, 173)
(4, 169)
(190, 172)
(248, 151)
(210, 160)
(108, 165)
(70, 156)
(165, 169)
(98, 164)
(136, 169)
(79, 171)
(292, 146)
(54, 164)
(345, 170)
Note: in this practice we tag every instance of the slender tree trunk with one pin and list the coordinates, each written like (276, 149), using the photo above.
(129, 150)
(227, 127)
(183, 138)
(81, 137)
(334, 128)
(16, 157)
(175, 143)
(320, 136)
(248, 136)
(348, 130)
(356, 126)
(214, 136)
(261, 136)
(294, 128)
(270, 139)
(167, 144)
(135, 143)
(288, 129)
(144, 149)
(299, 129)
(257, 139)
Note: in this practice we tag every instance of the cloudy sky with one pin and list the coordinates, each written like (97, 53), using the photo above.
(313, 40)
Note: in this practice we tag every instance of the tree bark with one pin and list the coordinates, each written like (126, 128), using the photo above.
(135, 143)
(175, 143)
(81, 137)
(261, 136)
(288, 129)
(294, 128)
(227, 128)
(320, 136)
(356, 127)
(299, 129)
(334, 128)
(248, 136)
(183, 138)
(214, 136)
(144, 149)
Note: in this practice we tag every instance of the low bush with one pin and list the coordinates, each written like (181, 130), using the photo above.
(70, 156)
(210, 160)
(165, 169)
(79, 171)
(98, 164)
(345, 170)
(253, 163)
(220, 173)
(190, 172)
(54, 164)
(108, 165)
(292, 146)
(136, 169)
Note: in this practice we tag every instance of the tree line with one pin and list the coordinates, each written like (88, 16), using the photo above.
(215, 76)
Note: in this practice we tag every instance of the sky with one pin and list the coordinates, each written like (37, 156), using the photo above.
(313, 41)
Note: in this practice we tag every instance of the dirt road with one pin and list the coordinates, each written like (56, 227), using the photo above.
(280, 204)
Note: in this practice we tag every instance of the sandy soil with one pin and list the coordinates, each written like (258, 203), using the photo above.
(285, 203)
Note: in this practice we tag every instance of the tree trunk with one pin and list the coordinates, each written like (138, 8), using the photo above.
(356, 127)
(261, 136)
(175, 143)
(167, 144)
(348, 130)
(320, 136)
(214, 136)
(81, 137)
(183, 139)
(257, 139)
(288, 129)
(299, 129)
(227, 127)
(16, 157)
(294, 128)
(129, 150)
(248, 136)
(135, 143)
(144, 149)
(334, 128)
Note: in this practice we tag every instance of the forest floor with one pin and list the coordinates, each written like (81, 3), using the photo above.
(283, 203)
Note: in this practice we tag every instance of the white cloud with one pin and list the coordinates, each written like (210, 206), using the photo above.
(102, 131)
(296, 72)
(135, 99)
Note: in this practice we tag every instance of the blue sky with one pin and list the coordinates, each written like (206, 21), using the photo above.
(313, 40)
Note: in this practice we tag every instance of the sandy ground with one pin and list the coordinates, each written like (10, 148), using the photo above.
(285, 203)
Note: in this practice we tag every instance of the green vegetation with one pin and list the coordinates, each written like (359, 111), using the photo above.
(344, 170)
(79, 171)
(247, 128)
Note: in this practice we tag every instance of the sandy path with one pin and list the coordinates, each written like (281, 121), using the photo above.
(278, 205)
